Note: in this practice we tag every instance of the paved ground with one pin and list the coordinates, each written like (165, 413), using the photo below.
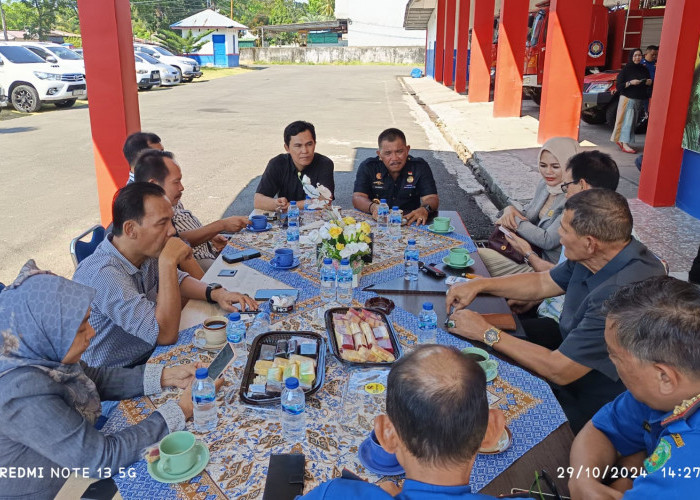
(223, 133)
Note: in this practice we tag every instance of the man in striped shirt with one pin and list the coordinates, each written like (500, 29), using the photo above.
(161, 168)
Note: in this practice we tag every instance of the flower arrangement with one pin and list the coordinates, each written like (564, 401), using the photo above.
(345, 238)
(320, 195)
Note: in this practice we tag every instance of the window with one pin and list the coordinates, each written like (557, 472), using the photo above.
(19, 55)
(64, 53)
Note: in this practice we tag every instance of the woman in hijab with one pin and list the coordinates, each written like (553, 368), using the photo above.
(633, 84)
(50, 400)
(539, 222)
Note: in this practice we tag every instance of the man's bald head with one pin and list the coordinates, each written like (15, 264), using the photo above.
(436, 400)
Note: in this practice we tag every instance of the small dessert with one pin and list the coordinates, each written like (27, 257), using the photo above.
(267, 352)
(262, 366)
(363, 336)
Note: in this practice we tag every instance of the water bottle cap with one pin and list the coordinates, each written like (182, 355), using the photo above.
(394, 207)
(291, 383)
(344, 262)
(428, 306)
(327, 260)
(383, 200)
(201, 373)
(307, 197)
(293, 202)
(234, 316)
(411, 242)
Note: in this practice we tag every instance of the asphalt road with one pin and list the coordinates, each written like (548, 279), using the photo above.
(222, 132)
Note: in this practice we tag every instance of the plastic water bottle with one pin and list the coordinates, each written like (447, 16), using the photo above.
(345, 283)
(235, 328)
(395, 223)
(293, 406)
(261, 324)
(204, 401)
(427, 324)
(293, 212)
(382, 219)
(328, 281)
(410, 258)
(293, 234)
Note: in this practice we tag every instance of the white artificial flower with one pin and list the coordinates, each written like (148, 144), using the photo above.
(345, 253)
(323, 191)
(364, 247)
(323, 231)
(349, 232)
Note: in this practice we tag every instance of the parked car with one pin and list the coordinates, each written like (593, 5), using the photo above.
(3, 99)
(30, 81)
(57, 54)
(188, 68)
(147, 76)
(168, 74)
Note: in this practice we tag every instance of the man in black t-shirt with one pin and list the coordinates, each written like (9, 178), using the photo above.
(281, 181)
(403, 180)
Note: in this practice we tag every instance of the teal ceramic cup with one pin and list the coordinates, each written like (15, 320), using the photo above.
(177, 452)
(478, 355)
(459, 256)
(441, 223)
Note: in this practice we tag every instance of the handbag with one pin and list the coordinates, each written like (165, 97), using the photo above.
(499, 242)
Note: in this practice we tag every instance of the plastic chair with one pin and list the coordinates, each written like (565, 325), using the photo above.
(79, 250)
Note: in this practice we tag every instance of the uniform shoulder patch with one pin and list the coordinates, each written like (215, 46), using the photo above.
(659, 457)
(678, 440)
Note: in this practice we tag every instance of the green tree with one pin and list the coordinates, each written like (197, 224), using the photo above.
(187, 44)
(39, 17)
(324, 8)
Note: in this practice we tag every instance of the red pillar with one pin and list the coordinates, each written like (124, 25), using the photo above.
(564, 67)
(440, 41)
(512, 32)
(111, 79)
(450, 26)
(462, 46)
(663, 154)
(481, 54)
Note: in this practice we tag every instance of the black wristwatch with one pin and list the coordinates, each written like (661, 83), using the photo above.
(210, 288)
(428, 208)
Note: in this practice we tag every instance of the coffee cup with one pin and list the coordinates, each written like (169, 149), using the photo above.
(441, 223)
(284, 257)
(177, 452)
(478, 355)
(213, 332)
(259, 222)
(459, 256)
(380, 456)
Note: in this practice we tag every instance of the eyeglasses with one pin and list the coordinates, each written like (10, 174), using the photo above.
(565, 186)
(536, 488)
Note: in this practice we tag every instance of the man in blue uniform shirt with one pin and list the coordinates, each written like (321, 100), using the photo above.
(437, 417)
(653, 336)
(404, 181)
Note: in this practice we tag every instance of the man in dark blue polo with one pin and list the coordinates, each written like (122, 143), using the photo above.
(602, 256)
(653, 332)
(401, 179)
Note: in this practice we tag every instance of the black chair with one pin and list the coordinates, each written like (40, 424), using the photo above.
(79, 250)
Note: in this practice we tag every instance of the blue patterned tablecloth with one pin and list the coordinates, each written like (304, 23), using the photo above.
(338, 417)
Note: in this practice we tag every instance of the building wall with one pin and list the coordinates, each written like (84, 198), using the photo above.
(377, 23)
(329, 55)
(205, 55)
(431, 36)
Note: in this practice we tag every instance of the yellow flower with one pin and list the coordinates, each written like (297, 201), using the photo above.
(348, 220)
(366, 228)
(335, 231)
(339, 246)
(367, 239)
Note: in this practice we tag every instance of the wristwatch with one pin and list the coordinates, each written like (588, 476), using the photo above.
(492, 336)
(210, 288)
(428, 208)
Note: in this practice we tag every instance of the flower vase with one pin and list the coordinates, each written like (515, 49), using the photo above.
(357, 267)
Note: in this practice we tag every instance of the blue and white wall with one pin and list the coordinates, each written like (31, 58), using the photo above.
(205, 55)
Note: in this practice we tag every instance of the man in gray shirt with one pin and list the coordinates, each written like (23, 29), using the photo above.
(601, 256)
(138, 283)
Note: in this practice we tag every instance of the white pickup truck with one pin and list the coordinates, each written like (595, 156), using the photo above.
(29, 81)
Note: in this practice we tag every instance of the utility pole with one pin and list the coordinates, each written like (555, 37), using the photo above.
(4, 26)
(231, 9)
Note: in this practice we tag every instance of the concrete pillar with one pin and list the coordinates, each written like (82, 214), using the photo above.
(680, 34)
(440, 41)
(512, 34)
(462, 46)
(564, 67)
(481, 52)
(450, 28)
(111, 79)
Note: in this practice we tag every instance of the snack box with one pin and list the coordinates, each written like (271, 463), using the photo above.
(356, 334)
(263, 379)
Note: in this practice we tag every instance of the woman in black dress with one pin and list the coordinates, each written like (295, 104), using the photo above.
(633, 84)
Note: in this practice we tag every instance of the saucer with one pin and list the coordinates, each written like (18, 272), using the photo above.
(365, 459)
(210, 347)
(504, 443)
(446, 261)
(267, 228)
(490, 368)
(161, 476)
(432, 229)
(274, 264)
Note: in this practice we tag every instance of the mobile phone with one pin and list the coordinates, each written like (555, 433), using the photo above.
(229, 273)
(221, 361)
(433, 271)
(285, 477)
(231, 255)
(104, 489)
(268, 293)
(505, 231)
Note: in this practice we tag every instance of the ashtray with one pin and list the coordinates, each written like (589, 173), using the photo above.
(382, 303)
(282, 304)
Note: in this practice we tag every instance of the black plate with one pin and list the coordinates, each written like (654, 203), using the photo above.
(330, 328)
(271, 338)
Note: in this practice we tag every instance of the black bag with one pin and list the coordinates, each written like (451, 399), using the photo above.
(499, 242)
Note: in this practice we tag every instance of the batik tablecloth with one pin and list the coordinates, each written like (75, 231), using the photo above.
(340, 415)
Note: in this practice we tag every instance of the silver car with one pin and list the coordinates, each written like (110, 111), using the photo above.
(168, 74)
